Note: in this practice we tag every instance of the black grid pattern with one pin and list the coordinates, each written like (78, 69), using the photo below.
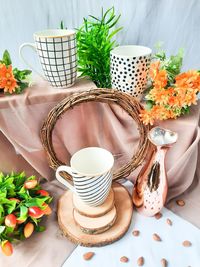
(58, 59)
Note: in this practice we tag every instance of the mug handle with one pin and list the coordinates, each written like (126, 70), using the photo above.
(62, 180)
(33, 47)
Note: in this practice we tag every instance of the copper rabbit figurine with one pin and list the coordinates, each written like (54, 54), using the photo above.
(150, 188)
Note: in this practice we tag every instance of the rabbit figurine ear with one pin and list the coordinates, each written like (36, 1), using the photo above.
(162, 137)
(150, 188)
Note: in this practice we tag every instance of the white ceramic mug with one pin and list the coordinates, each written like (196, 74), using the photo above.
(91, 169)
(57, 53)
(129, 68)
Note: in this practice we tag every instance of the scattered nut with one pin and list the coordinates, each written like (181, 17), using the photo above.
(88, 256)
(180, 202)
(158, 215)
(164, 263)
(136, 233)
(169, 221)
(187, 243)
(156, 237)
(124, 259)
(140, 261)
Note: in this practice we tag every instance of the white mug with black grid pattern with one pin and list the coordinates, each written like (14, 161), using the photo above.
(129, 68)
(57, 53)
(91, 170)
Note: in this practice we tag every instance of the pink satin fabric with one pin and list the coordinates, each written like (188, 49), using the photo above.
(91, 124)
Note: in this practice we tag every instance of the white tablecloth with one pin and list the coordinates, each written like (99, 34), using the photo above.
(170, 247)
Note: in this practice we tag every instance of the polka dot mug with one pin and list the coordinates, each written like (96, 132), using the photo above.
(129, 68)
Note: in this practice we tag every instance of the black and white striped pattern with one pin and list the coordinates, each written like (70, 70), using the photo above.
(58, 59)
(93, 190)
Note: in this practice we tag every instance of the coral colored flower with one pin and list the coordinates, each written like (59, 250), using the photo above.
(6, 72)
(153, 70)
(10, 85)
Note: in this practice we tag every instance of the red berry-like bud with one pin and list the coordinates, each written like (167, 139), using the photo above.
(47, 210)
(28, 229)
(30, 184)
(7, 248)
(42, 193)
(16, 199)
(35, 212)
(10, 220)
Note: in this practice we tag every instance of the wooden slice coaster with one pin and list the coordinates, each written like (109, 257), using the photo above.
(90, 211)
(124, 207)
(96, 225)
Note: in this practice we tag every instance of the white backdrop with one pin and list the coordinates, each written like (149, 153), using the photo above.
(145, 22)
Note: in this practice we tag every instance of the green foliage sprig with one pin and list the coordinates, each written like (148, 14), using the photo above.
(94, 43)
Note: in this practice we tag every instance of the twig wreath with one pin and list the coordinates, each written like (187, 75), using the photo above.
(109, 96)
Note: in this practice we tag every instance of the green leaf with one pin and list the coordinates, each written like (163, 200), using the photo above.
(36, 221)
(19, 179)
(6, 58)
(23, 213)
(40, 228)
(1, 177)
(36, 202)
(1, 211)
(10, 206)
(149, 104)
(21, 75)
(2, 228)
(61, 24)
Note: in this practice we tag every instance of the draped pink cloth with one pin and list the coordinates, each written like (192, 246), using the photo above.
(91, 124)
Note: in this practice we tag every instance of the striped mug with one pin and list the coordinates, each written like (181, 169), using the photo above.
(91, 170)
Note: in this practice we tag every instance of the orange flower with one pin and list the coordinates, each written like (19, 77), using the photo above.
(190, 79)
(146, 117)
(7, 80)
(191, 98)
(161, 79)
(10, 85)
(153, 70)
(6, 72)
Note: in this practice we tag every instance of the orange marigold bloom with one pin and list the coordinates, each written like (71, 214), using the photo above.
(147, 117)
(153, 70)
(191, 98)
(189, 79)
(161, 79)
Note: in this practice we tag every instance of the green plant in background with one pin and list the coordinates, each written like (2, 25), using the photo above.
(94, 43)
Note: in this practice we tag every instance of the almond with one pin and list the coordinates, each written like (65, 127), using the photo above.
(88, 256)
(140, 261)
(180, 202)
(164, 262)
(158, 215)
(136, 233)
(156, 237)
(187, 243)
(169, 221)
(124, 259)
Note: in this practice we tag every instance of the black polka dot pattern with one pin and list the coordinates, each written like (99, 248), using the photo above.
(130, 74)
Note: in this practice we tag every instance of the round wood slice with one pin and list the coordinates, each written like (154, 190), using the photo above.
(96, 225)
(90, 211)
(124, 207)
